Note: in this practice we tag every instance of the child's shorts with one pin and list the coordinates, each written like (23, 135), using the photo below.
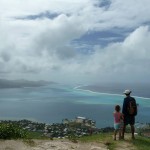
(117, 126)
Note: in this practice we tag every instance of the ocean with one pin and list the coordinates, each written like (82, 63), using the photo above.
(52, 103)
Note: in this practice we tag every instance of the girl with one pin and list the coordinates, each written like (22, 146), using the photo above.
(118, 121)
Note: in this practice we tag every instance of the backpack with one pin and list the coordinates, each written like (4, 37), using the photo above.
(132, 107)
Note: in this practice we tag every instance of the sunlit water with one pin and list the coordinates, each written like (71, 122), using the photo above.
(55, 102)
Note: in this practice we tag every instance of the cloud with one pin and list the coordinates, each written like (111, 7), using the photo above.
(124, 60)
(86, 41)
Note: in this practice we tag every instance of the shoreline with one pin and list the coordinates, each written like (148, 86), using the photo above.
(104, 93)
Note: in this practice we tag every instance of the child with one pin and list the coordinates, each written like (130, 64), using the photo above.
(118, 120)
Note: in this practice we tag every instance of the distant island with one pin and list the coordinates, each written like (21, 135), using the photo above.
(23, 83)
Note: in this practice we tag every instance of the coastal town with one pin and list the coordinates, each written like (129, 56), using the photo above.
(78, 127)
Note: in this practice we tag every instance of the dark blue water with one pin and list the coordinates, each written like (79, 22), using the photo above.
(55, 102)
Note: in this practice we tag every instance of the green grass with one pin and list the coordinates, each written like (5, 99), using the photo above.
(96, 138)
(142, 143)
(36, 135)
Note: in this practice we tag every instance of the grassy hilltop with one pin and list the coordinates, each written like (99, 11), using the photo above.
(140, 143)
(103, 141)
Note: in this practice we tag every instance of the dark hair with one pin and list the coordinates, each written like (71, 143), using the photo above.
(117, 108)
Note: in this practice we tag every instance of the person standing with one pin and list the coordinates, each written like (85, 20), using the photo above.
(129, 110)
(118, 117)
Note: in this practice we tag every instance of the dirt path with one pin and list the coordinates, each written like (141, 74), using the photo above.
(59, 145)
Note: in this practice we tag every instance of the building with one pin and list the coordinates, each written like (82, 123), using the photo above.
(80, 119)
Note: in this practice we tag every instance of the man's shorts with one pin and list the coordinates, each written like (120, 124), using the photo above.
(129, 120)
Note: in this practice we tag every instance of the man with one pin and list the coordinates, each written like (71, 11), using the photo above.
(129, 115)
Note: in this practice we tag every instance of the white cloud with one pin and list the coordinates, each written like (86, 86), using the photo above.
(125, 59)
(42, 49)
(27, 7)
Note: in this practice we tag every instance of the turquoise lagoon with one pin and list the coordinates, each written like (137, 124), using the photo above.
(51, 104)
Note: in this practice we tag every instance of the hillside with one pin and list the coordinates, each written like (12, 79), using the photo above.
(94, 142)
(41, 137)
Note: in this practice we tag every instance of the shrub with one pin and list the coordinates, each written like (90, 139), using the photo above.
(11, 131)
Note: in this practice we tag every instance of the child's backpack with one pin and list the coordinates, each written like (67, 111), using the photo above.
(132, 107)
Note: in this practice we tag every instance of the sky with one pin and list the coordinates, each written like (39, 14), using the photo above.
(75, 41)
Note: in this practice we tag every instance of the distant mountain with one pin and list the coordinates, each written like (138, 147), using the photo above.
(22, 83)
